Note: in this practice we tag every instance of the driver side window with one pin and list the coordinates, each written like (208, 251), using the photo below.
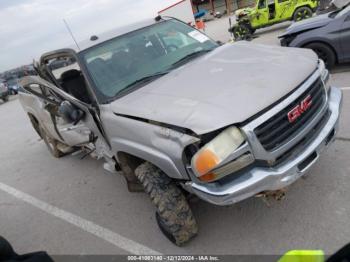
(262, 4)
(68, 75)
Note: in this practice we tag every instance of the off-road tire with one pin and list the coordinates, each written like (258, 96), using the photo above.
(324, 52)
(51, 144)
(302, 13)
(6, 250)
(173, 214)
(242, 31)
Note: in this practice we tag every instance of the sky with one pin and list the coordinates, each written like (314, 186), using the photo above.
(29, 28)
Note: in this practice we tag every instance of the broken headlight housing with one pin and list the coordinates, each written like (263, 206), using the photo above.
(324, 73)
(220, 157)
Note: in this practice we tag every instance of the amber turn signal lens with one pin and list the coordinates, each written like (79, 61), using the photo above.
(206, 161)
(208, 177)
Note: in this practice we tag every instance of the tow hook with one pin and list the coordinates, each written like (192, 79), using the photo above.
(277, 195)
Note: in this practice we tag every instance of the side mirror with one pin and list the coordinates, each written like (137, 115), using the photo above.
(219, 42)
(70, 113)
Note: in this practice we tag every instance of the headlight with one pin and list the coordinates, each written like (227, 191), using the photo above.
(323, 71)
(206, 162)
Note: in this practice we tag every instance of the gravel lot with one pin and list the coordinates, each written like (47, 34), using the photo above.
(314, 215)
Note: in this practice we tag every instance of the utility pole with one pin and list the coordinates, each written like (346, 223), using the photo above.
(228, 6)
(212, 6)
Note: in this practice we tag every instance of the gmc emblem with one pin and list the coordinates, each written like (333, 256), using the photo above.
(297, 111)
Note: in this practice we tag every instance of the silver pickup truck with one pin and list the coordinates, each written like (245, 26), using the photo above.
(179, 114)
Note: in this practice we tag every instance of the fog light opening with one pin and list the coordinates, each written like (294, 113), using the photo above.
(330, 137)
(307, 162)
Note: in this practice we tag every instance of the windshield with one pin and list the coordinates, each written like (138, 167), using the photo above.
(142, 56)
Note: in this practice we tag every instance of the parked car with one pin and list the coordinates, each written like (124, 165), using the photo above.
(328, 35)
(327, 6)
(222, 122)
(4, 93)
(270, 12)
(13, 86)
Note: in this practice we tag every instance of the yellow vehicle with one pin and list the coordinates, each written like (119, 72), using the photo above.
(270, 12)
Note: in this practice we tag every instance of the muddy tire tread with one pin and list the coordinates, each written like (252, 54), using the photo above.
(170, 202)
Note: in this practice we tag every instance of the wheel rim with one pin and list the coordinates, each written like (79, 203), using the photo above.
(303, 14)
(241, 31)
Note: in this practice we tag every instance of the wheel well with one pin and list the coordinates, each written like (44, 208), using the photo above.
(324, 43)
(128, 163)
(296, 9)
(303, 6)
(31, 116)
(35, 123)
(128, 160)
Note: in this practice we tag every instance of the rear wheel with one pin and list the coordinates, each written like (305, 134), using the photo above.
(173, 214)
(324, 52)
(302, 13)
(51, 144)
(242, 31)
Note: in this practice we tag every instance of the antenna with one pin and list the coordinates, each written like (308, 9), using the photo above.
(71, 34)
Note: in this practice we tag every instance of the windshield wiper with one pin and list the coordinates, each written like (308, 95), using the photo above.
(191, 56)
(142, 80)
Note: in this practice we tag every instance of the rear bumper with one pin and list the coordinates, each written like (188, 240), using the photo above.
(262, 179)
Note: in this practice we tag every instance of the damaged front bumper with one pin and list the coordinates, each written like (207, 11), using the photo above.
(262, 179)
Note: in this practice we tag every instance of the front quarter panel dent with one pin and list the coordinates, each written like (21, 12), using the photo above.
(158, 145)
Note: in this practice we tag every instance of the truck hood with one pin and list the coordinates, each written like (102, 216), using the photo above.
(226, 86)
(308, 24)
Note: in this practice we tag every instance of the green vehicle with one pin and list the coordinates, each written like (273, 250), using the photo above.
(270, 12)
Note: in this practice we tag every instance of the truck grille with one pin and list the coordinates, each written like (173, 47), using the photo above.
(277, 130)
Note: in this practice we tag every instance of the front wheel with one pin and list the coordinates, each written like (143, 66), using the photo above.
(173, 214)
(302, 13)
(242, 32)
(324, 52)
